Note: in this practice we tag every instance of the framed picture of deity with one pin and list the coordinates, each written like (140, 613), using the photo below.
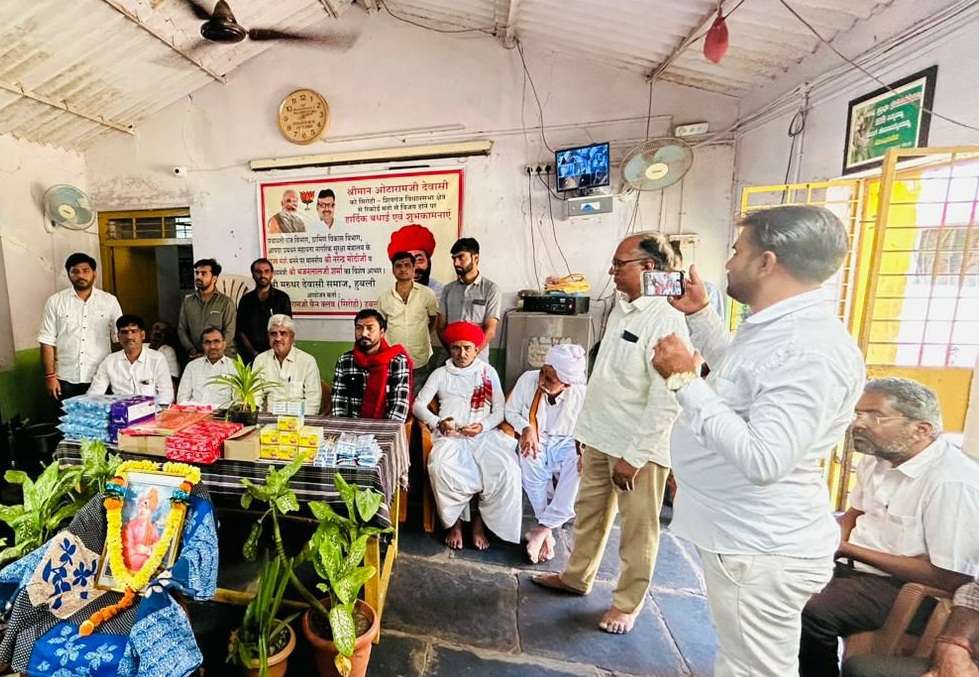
(143, 534)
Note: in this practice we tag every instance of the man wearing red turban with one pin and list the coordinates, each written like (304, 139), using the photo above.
(470, 456)
(419, 242)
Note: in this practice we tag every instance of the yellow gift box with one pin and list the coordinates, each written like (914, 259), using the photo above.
(288, 423)
(310, 437)
(269, 435)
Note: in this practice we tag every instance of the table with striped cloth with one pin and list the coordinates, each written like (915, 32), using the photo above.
(310, 483)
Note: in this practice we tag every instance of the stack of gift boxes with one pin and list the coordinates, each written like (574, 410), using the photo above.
(202, 442)
(101, 417)
(288, 437)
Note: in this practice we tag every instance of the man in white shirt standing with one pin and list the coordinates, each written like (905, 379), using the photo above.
(543, 409)
(749, 441)
(410, 309)
(295, 371)
(913, 518)
(624, 431)
(137, 369)
(78, 328)
(195, 386)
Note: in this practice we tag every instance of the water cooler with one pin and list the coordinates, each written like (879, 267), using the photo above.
(530, 335)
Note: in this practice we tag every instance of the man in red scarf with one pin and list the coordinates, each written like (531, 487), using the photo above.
(374, 379)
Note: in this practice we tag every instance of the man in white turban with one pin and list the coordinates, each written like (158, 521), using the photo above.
(543, 409)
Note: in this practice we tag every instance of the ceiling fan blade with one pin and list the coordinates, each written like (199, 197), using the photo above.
(338, 40)
(198, 9)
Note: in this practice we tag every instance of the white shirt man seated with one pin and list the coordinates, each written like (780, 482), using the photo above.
(914, 518)
(470, 456)
(196, 386)
(543, 408)
(294, 371)
(136, 369)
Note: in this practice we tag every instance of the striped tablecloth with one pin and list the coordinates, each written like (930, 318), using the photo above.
(310, 483)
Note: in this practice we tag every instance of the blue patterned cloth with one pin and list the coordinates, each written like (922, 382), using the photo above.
(50, 592)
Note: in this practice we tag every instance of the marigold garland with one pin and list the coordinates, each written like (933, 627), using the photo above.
(135, 581)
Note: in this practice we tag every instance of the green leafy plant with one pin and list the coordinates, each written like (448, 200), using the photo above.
(260, 634)
(246, 384)
(336, 549)
(54, 497)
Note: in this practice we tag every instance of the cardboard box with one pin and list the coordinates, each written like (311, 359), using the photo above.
(151, 445)
(244, 445)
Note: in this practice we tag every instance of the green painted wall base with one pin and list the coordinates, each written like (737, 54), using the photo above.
(22, 387)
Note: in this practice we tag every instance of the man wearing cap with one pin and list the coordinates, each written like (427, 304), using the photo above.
(543, 408)
(470, 456)
(420, 243)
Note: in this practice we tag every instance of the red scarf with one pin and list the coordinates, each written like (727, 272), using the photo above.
(378, 367)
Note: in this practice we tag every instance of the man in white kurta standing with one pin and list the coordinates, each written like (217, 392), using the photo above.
(624, 431)
(470, 456)
(748, 445)
(543, 409)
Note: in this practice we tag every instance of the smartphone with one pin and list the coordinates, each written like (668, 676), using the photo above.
(662, 283)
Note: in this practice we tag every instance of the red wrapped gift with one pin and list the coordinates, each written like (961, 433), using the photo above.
(202, 442)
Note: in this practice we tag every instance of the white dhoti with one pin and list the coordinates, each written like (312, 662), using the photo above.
(486, 465)
(553, 505)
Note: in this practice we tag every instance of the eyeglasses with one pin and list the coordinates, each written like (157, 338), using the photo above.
(616, 264)
(874, 419)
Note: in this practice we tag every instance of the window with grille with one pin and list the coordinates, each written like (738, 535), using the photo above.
(154, 225)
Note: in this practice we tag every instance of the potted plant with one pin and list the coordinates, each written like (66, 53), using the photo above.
(264, 642)
(246, 385)
(341, 627)
(54, 497)
(342, 639)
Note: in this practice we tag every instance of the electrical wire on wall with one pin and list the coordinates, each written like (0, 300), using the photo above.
(411, 22)
(533, 88)
(797, 125)
(530, 222)
(550, 212)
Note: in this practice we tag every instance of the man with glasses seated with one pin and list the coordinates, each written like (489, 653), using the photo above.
(913, 518)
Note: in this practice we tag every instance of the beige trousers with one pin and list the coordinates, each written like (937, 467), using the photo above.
(597, 503)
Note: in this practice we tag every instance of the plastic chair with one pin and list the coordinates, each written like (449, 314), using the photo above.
(234, 286)
(892, 638)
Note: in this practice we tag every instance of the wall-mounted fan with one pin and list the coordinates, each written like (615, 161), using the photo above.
(656, 163)
(68, 207)
(220, 25)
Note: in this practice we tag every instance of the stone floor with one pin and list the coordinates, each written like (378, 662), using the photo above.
(466, 613)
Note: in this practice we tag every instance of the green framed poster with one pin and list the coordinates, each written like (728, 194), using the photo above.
(891, 117)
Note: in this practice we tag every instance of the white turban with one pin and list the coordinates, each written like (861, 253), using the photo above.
(568, 360)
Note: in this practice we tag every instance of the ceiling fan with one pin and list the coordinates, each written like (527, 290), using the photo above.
(220, 25)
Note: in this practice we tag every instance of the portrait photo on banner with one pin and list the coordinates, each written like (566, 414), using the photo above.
(329, 239)
(145, 513)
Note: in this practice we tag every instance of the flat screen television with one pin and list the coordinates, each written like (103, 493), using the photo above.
(582, 167)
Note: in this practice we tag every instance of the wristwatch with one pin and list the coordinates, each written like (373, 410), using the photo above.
(680, 379)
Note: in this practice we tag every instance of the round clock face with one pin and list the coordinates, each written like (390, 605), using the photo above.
(303, 116)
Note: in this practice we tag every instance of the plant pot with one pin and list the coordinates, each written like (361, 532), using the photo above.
(245, 417)
(325, 651)
(278, 662)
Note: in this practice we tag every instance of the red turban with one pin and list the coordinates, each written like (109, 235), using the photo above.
(411, 237)
(464, 331)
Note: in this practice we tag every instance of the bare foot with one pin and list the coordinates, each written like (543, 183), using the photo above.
(547, 549)
(554, 582)
(536, 541)
(480, 540)
(453, 538)
(618, 622)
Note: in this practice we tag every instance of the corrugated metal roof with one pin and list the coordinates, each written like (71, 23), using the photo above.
(117, 61)
(90, 56)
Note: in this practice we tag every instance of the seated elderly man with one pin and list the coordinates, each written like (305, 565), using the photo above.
(137, 369)
(196, 386)
(470, 456)
(544, 408)
(295, 371)
(374, 379)
(914, 517)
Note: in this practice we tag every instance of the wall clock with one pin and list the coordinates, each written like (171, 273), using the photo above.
(303, 116)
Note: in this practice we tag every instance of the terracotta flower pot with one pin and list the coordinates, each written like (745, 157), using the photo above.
(278, 662)
(325, 651)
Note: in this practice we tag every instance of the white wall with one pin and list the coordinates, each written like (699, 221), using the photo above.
(398, 77)
(33, 258)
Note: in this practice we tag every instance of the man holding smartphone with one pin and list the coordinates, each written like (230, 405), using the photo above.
(624, 437)
(748, 445)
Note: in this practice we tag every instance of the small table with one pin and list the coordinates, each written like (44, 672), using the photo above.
(313, 483)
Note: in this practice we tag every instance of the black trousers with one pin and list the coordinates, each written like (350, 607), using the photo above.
(852, 602)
